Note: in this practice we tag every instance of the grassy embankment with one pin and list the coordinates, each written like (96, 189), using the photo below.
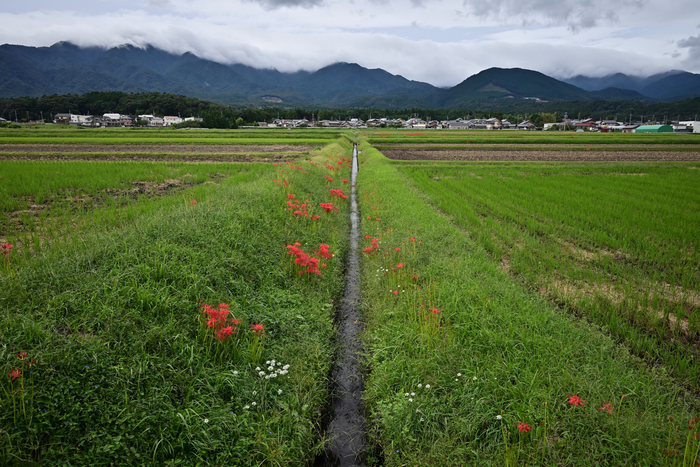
(118, 368)
(466, 366)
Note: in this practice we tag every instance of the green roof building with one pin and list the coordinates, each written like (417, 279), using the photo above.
(654, 129)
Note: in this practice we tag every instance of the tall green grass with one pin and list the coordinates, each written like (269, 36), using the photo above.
(439, 312)
(122, 376)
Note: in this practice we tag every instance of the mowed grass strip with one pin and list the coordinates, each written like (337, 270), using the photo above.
(120, 367)
(616, 242)
(467, 367)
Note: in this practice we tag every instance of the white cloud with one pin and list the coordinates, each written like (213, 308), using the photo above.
(441, 42)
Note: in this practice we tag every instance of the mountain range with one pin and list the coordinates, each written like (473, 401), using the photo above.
(65, 68)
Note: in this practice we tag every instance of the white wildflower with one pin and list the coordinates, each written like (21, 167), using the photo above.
(235, 372)
(420, 385)
(498, 417)
(279, 391)
(459, 374)
(246, 407)
(262, 373)
(427, 386)
(422, 419)
(257, 368)
(267, 362)
(474, 378)
(255, 403)
(406, 394)
(255, 393)
(206, 420)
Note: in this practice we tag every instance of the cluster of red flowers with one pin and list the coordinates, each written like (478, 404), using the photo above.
(297, 167)
(329, 207)
(339, 164)
(576, 401)
(375, 244)
(524, 427)
(338, 194)
(22, 356)
(283, 183)
(329, 179)
(219, 322)
(258, 329)
(5, 250)
(308, 263)
(324, 251)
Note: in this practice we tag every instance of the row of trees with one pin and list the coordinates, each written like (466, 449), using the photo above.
(221, 116)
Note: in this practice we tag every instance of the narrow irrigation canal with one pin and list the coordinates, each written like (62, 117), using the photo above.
(346, 429)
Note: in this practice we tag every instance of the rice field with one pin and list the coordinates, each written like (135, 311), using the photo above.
(516, 312)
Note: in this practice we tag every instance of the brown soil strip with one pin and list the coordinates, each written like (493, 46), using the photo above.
(574, 155)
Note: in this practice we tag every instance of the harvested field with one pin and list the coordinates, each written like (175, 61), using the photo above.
(569, 156)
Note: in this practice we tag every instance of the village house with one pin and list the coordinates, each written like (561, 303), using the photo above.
(169, 120)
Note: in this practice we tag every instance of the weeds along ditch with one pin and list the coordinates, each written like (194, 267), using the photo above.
(614, 242)
(468, 366)
(199, 333)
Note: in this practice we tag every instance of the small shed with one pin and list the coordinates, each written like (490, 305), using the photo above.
(654, 129)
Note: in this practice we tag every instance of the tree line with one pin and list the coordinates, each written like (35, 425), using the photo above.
(216, 115)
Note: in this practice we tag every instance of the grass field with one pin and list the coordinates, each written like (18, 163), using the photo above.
(516, 313)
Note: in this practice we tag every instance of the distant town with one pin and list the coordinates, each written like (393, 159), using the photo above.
(110, 120)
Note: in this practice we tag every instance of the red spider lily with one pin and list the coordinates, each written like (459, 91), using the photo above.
(22, 355)
(5, 248)
(577, 401)
(345, 180)
(435, 311)
(524, 427)
(395, 292)
(258, 329)
(607, 408)
(323, 251)
(328, 178)
(378, 219)
(412, 239)
(291, 196)
(15, 374)
(398, 249)
(375, 245)
(369, 217)
(338, 194)
(219, 322)
(328, 207)
(194, 201)
(414, 277)
(399, 266)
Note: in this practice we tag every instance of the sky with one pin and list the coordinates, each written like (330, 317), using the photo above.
(441, 42)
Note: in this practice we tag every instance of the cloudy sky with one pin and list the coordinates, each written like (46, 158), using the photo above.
(441, 42)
